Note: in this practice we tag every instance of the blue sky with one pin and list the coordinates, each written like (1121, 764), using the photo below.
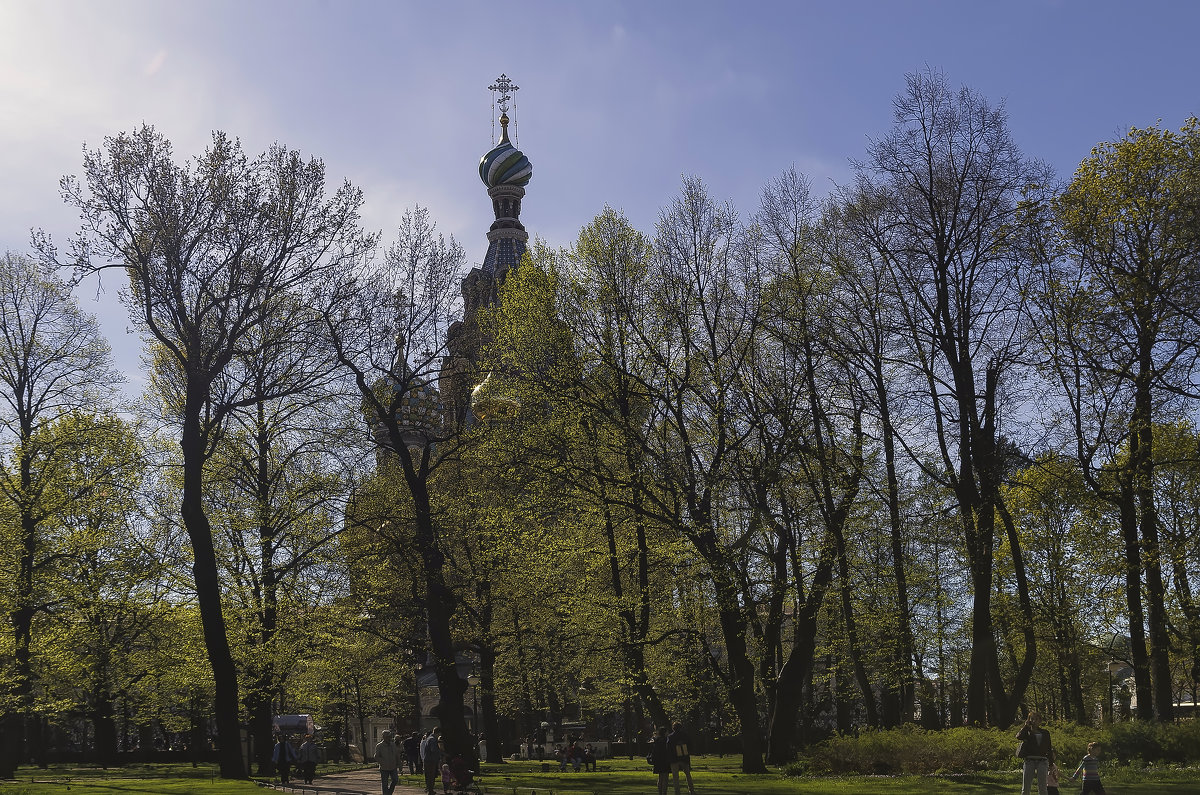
(618, 100)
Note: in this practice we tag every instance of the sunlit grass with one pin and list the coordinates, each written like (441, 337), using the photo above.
(712, 776)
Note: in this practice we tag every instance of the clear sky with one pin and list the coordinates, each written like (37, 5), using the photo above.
(618, 100)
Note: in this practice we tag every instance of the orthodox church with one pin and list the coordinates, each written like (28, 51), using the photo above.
(505, 170)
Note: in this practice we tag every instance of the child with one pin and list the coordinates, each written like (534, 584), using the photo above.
(447, 779)
(1052, 774)
(1090, 766)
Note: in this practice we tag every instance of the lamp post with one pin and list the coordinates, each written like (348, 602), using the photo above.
(473, 681)
(1114, 667)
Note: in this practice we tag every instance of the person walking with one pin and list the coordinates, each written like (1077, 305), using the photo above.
(431, 759)
(1090, 768)
(412, 753)
(387, 756)
(309, 756)
(1037, 751)
(661, 757)
(681, 746)
(283, 756)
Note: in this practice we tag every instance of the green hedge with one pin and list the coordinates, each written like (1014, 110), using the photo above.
(911, 749)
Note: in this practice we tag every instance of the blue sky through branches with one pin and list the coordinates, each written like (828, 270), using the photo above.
(618, 100)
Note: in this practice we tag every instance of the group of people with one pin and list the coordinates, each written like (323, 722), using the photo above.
(1037, 751)
(576, 756)
(670, 753)
(305, 758)
(422, 753)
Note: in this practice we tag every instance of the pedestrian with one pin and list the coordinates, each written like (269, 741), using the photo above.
(283, 756)
(387, 756)
(309, 756)
(431, 759)
(1037, 751)
(482, 749)
(412, 753)
(661, 757)
(681, 746)
(1090, 768)
(1052, 776)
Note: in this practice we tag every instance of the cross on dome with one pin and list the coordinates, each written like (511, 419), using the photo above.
(506, 89)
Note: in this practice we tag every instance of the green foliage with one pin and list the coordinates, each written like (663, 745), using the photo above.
(912, 750)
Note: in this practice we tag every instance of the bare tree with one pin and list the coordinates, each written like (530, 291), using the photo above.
(389, 325)
(212, 249)
(950, 182)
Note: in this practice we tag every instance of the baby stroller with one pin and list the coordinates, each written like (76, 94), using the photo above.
(458, 778)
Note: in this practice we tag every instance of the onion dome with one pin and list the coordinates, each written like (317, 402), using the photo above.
(505, 165)
(419, 412)
(492, 400)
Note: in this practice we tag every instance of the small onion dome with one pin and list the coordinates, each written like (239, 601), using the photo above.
(419, 413)
(491, 400)
(505, 165)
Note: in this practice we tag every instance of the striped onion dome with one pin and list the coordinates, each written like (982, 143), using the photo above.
(505, 165)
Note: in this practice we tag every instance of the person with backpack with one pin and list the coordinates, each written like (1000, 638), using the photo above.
(681, 746)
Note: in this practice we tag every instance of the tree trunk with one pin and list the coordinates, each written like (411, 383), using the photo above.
(487, 704)
(208, 593)
(440, 604)
(1133, 599)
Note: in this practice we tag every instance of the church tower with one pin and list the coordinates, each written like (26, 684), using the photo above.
(505, 170)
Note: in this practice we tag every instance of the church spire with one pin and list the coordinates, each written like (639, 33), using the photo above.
(506, 171)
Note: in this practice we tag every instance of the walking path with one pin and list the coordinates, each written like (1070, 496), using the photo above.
(353, 782)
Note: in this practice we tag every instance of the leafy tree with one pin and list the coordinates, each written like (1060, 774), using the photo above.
(212, 249)
(1068, 554)
(53, 361)
(1118, 300)
(276, 495)
(112, 577)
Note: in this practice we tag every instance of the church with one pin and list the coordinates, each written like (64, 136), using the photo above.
(505, 170)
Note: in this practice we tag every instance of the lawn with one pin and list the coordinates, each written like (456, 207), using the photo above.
(721, 776)
(712, 775)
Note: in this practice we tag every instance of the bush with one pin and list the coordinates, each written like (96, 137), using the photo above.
(913, 750)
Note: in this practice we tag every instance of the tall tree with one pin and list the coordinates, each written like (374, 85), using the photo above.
(388, 326)
(212, 249)
(277, 488)
(114, 578)
(52, 361)
(952, 181)
(1124, 302)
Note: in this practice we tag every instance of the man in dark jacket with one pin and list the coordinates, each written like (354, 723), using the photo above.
(431, 759)
(412, 752)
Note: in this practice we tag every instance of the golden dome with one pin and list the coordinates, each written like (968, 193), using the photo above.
(492, 400)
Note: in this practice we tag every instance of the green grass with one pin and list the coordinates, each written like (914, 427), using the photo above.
(721, 776)
(712, 775)
(167, 779)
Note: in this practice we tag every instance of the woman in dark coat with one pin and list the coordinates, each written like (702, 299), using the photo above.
(1037, 752)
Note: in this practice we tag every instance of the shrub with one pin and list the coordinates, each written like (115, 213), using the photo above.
(913, 750)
